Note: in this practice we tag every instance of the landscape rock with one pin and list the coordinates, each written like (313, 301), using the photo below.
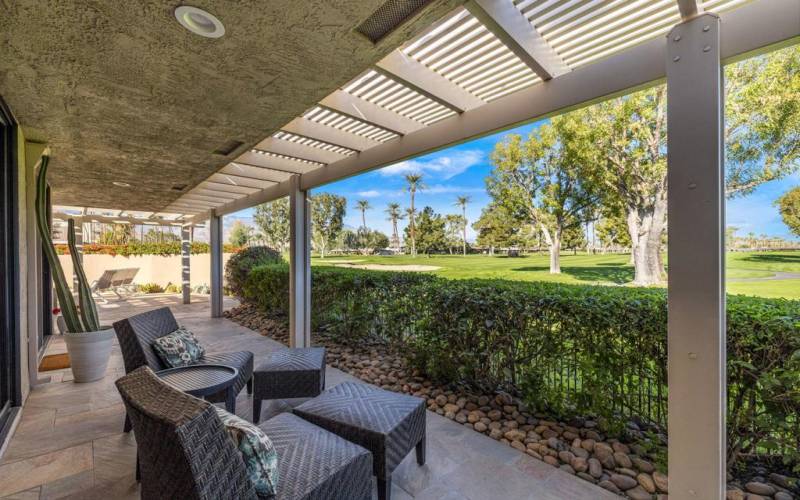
(638, 493)
(661, 481)
(646, 482)
(623, 482)
(759, 488)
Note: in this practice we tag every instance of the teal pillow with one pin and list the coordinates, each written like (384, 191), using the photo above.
(179, 348)
(258, 453)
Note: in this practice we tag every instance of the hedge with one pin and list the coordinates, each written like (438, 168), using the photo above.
(139, 248)
(568, 349)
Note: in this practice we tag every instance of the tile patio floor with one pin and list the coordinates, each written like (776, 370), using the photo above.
(69, 442)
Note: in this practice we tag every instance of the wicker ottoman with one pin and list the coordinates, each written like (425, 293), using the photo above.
(288, 373)
(386, 423)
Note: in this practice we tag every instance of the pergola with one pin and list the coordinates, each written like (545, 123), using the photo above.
(486, 66)
(494, 64)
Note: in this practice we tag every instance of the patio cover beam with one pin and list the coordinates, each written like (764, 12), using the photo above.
(116, 220)
(361, 109)
(265, 160)
(696, 249)
(507, 23)
(688, 9)
(427, 82)
(298, 150)
(309, 128)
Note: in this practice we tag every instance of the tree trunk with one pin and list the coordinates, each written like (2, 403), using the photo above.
(554, 245)
(646, 228)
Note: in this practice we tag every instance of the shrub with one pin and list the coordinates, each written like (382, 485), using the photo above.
(150, 288)
(173, 288)
(241, 263)
(137, 248)
(568, 349)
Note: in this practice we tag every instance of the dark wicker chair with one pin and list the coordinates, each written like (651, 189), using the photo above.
(184, 451)
(137, 333)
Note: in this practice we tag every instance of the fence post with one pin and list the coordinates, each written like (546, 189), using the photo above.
(696, 324)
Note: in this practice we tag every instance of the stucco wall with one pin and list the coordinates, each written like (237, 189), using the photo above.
(152, 268)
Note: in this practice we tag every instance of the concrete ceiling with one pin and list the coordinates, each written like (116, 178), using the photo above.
(122, 92)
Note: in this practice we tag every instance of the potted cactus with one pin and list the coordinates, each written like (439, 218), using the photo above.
(88, 343)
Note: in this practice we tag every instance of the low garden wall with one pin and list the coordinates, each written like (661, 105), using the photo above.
(159, 269)
(566, 349)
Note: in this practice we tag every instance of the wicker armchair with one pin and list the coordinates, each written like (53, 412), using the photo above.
(137, 333)
(184, 452)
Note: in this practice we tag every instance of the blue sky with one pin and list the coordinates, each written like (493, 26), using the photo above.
(461, 170)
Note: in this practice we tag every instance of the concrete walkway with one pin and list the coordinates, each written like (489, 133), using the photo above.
(70, 444)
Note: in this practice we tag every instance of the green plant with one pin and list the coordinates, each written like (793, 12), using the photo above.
(150, 288)
(173, 288)
(83, 319)
(136, 248)
(240, 264)
(567, 349)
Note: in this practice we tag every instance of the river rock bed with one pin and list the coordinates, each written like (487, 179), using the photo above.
(622, 464)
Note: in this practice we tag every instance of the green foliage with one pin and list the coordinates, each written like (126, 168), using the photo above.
(240, 234)
(789, 206)
(273, 220)
(567, 349)
(173, 288)
(327, 215)
(153, 235)
(150, 288)
(136, 248)
(239, 265)
(762, 120)
(430, 234)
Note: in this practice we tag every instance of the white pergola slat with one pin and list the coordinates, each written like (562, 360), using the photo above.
(255, 172)
(235, 177)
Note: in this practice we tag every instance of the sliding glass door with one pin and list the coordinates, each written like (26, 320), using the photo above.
(9, 272)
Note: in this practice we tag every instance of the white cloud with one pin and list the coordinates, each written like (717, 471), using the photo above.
(372, 193)
(442, 189)
(444, 167)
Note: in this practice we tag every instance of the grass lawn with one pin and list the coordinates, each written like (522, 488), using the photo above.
(594, 269)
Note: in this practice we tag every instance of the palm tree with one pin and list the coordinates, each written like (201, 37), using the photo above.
(363, 206)
(462, 201)
(414, 184)
(393, 210)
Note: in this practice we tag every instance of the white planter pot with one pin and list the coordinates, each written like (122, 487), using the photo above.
(89, 353)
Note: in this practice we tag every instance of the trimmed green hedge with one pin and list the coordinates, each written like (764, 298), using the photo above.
(138, 248)
(566, 348)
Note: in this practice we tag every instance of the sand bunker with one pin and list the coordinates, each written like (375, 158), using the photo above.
(385, 267)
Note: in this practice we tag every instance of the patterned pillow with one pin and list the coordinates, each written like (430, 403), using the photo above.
(258, 453)
(179, 348)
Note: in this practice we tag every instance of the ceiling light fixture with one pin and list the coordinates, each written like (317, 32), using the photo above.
(199, 21)
(121, 184)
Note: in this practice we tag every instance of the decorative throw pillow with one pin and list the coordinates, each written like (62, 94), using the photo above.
(258, 453)
(179, 348)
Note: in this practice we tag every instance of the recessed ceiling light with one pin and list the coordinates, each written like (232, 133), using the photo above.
(121, 184)
(199, 21)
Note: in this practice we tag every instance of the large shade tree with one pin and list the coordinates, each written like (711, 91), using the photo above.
(327, 216)
(431, 236)
(545, 181)
(272, 219)
(628, 137)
